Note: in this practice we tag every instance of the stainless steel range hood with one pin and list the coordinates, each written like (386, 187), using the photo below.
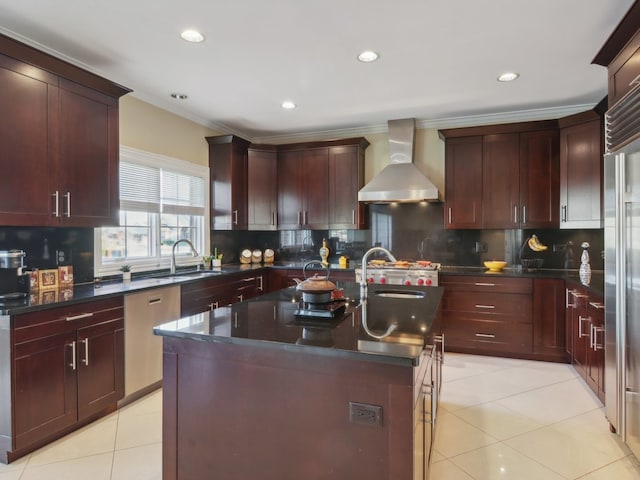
(401, 180)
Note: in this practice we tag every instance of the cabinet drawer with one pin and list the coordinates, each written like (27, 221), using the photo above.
(486, 283)
(490, 336)
(56, 320)
(489, 304)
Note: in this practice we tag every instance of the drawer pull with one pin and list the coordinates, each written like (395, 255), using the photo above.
(485, 335)
(155, 301)
(598, 305)
(481, 284)
(79, 317)
(73, 355)
(635, 81)
(486, 306)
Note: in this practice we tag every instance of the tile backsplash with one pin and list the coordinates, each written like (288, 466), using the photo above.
(52, 247)
(416, 231)
(410, 231)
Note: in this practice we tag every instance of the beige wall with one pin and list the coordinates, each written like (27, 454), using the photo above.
(146, 127)
(429, 155)
(152, 129)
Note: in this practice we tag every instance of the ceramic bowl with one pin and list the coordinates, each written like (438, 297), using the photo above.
(495, 265)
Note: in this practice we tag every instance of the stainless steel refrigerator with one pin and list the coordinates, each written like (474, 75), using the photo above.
(622, 292)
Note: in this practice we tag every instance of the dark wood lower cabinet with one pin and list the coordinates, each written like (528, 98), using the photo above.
(585, 311)
(549, 318)
(215, 292)
(232, 411)
(66, 369)
(505, 316)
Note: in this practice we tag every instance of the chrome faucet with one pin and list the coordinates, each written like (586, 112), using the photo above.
(365, 258)
(194, 252)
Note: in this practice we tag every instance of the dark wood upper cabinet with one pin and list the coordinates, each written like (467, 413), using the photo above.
(60, 126)
(621, 55)
(501, 181)
(581, 165)
(463, 171)
(318, 185)
(88, 157)
(262, 191)
(303, 189)
(502, 176)
(228, 172)
(346, 177)
(539, 179)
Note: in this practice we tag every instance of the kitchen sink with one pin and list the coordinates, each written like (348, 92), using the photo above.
(401, 294)
(188, 273)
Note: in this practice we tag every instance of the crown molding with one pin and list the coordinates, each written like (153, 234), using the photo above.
(447, 122)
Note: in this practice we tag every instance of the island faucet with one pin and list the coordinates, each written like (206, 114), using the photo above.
(365, 258)
(194, 252)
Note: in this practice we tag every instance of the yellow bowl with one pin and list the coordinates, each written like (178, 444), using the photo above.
(495, 265)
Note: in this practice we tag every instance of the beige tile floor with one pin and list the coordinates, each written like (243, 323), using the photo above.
(500, 419)
(517, 419)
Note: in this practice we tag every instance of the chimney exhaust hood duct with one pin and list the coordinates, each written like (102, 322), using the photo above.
(401, 180)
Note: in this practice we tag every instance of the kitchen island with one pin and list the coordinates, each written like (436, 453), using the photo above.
(253, 391)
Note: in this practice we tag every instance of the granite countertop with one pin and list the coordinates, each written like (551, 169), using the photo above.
(269, 321)
(572, 276)
(85, 292)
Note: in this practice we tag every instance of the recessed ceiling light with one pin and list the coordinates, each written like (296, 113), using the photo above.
(288, 105)
(508, 76)
(179, 96)
(368, 56)
(192, 36)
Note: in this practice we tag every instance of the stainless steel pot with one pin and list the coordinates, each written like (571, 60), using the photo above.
(318, 288)
(12, 259)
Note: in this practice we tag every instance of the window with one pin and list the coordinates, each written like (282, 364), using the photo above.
(162, 200)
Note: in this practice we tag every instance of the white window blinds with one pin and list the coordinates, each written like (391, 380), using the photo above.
(150, 189)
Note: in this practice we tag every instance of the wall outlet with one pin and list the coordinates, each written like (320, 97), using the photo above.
(481, 247)
(365, 414)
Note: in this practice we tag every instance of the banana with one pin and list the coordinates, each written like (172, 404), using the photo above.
(535, 245)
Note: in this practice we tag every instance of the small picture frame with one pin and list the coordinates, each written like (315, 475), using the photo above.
(48, 279)
(65, 276)
(33, 280)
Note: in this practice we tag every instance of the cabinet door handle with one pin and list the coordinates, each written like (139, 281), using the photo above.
(515, 214)
(240, 297)
(524, 214)
(353, 216)
(155, 301)
(79, 317)
(485, 335)
(486, 306)
(56, 200)
(568, 292)
(304, 217)
(67, 196)
(299, 212)
(449, 215)
(440, 339)
(85, 360)
(581, 319)
(213, 306)
(597, 346)
(635, 81)
(73, 355)
(235, 217)
(564, 213)
(235, 320)
(260, 284)
(481, 284)
(273, 218)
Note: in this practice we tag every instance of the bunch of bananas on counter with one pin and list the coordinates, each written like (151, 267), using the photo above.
(535, 245)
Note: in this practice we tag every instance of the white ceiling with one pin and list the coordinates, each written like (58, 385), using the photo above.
(439, 58)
